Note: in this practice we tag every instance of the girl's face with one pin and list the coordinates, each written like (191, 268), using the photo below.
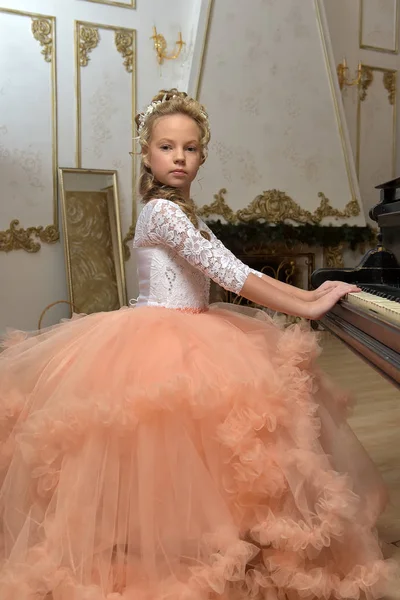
(174, 154)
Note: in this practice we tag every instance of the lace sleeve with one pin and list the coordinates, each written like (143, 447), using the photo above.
(168, 225)
(218, 243)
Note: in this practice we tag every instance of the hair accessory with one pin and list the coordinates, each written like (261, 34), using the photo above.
(151, 107)
(149, 110)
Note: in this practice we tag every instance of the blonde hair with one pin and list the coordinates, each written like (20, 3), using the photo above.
(170, 102)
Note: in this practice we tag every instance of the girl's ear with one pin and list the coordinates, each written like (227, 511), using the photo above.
(146, 160)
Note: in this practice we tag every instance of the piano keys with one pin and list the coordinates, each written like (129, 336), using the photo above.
(385, 307)
(369, 321)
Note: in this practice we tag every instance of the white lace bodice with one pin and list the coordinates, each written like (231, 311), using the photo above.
(176, 263)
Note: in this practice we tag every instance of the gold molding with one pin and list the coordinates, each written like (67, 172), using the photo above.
(366, 79)
(275, 206)
(394, 50)
(43, 32)
(333, 257)
(131, 5)
(124, 45)
(88, 40)
(340, 117)
(123, 34)
(204, 48)
(18, 238)
(390, 84)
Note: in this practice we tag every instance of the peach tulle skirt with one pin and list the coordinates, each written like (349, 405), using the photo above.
(151, 454)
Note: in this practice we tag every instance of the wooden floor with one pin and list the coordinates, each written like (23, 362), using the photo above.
(376, 422)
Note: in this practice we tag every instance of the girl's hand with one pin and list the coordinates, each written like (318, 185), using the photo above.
(322, 305)
(329, 286)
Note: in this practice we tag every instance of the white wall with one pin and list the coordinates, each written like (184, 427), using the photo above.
(29, 282)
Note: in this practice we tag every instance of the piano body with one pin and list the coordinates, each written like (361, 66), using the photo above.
(369, 321)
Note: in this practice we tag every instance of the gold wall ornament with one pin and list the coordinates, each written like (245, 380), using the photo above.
(333, 257)
(362, 80)
(88, 40)
(325, 209)
(342, 71)
(125, 242)
(160, 46)
(367, 77)
(42, 30)
(389, 81)
(275, 206)
(124, 45)
(17, 238)
(218, 207)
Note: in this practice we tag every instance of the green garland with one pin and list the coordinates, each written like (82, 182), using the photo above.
(235, 236)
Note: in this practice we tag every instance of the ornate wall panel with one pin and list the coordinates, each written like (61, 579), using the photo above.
(120, 3)
(282, 127)
(379, 25)
(28, 131)
(376, 131)
(105, 104)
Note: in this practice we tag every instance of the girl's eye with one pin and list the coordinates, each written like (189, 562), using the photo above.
(165, 147)
(192, 149)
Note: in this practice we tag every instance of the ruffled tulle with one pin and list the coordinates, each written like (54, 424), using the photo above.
(151, 454)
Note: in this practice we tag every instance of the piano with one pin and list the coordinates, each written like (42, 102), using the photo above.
(369, 321)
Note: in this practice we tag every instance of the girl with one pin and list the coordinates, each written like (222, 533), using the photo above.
(180, 450)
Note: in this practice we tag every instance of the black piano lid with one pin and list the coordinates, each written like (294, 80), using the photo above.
(389, 199)
(389, 185)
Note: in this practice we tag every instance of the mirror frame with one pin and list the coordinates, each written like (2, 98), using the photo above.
(117, 243)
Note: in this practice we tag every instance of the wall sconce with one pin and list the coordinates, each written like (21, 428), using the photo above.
(342, 71)
(160, 46)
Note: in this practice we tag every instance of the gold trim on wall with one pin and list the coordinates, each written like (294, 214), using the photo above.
(125, 42)
(204, 48)
(378, 48)
(331, 76)
(132, 3)
(275, 206)
(43, 28)
(389, 81)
